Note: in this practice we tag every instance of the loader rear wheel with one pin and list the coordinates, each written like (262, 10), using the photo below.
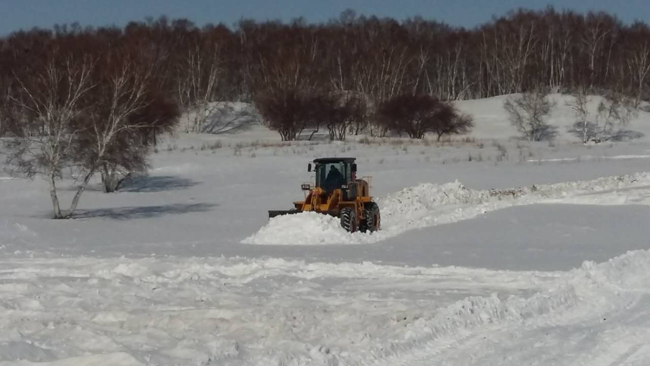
(349, 219)
(373, 218)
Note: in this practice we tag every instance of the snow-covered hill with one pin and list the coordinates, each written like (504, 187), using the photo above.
(491, 120)
(240, 121)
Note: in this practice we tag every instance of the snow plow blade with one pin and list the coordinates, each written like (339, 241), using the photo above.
(293, 212)
(273, 214)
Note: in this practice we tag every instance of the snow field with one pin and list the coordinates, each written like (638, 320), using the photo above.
(427, 205)
(157, 275)
(275, 312)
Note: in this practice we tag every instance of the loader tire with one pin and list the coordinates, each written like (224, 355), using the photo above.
(349, 219)
(373, 218)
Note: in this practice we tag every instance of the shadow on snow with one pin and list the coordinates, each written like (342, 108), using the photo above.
(156, 184)
(144, 212)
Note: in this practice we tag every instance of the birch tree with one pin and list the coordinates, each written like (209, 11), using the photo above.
(528, 113)
(47, 103)
(580, 107)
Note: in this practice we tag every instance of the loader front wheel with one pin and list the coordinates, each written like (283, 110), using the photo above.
(373, 218)
(349, 219)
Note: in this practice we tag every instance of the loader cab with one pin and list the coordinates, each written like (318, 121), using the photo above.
(334, 173)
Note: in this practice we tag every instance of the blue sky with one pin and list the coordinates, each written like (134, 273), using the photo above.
(17, 14)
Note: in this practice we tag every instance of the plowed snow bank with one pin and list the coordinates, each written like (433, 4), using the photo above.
(584, 299)
(428, 205)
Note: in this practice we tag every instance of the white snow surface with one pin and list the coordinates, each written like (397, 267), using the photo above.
(493, 251)
(213, 311)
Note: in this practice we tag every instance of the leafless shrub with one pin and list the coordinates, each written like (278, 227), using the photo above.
(579, 105)
(458, 124)
(348, 112)
(528, 113)
(286, 111)
(226, 118)
(237, 150)
(502, 151)
(416, 115)
(365, 140)
(614, 110)
(340, 113)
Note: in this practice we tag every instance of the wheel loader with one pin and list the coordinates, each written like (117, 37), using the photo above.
(338, 192)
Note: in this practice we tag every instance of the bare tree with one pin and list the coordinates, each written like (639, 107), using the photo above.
(124, 107)
(639, 58)
(528, 113)
(228, 117)
(128, 152)
(286, 111)
(593, 37)
(419, 114)
(5, 108)
(345, 113)
(580, 107)
(614, 110)
(458, 124)
(46, 104)
(198, 85)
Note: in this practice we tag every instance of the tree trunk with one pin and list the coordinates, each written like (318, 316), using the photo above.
(330, 131)
(110, 179)
(314, 132)
(55, 199)
(77, 196)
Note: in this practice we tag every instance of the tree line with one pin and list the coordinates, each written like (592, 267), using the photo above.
(372, 58)
(377, 58)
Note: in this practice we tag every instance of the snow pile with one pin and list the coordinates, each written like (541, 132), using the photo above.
(585, 298)
(304, 228)
(400, 211)
(427, 205)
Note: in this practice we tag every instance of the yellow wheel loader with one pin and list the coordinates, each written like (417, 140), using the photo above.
(339, 193)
